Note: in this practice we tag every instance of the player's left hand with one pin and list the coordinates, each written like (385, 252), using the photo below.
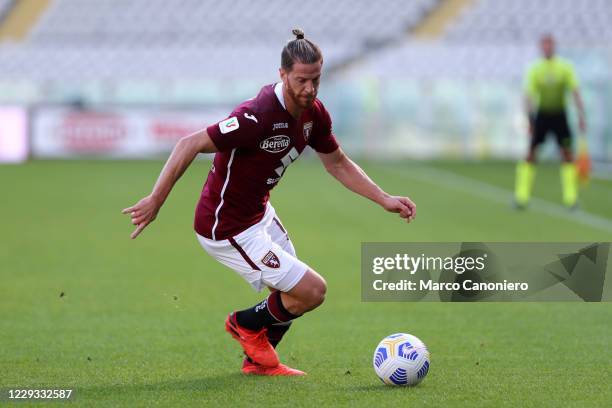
(402, 205)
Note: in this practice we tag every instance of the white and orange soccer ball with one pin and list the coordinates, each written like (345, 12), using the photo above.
(401, 359)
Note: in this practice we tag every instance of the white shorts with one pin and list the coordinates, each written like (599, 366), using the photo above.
(262, 254)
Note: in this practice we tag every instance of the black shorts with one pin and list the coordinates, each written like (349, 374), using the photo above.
(556, 123)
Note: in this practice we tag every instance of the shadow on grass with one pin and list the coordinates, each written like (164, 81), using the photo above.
(383, 388)
(221, 383)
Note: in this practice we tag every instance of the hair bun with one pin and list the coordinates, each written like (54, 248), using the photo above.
(299, 34)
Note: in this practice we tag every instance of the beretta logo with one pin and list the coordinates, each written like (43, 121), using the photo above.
(275, 144)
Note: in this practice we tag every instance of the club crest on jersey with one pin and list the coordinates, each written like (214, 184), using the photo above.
(271, 260)
(307, 130)
(229, 125)
(275, 144)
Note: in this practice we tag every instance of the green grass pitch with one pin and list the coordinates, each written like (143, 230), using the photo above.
(140, 323)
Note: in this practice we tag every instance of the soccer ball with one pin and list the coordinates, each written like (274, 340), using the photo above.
(401, 359)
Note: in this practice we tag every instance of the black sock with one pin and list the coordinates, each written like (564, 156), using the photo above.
(276, 332)
(265, 313)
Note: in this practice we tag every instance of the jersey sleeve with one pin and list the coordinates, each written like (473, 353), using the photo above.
(241, 129)
(323, 139)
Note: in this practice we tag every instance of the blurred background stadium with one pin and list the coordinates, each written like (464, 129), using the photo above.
(417, 79)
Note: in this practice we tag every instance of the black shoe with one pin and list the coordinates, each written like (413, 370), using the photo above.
(519, 206)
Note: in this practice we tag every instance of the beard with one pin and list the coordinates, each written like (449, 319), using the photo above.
(302, 102)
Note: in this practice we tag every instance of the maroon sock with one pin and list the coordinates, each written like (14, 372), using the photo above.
(277, 309)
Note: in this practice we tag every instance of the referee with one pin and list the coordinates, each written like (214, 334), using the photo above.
(547, 83)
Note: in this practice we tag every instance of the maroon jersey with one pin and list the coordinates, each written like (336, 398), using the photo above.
(256, 144)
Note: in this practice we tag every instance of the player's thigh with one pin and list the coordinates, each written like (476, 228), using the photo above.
(258, 260)
(278, 268)
(280, 236)
(281, 270)
(232, 255)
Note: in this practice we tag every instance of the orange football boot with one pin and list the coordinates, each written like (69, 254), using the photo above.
(281, 369)
(254, 343)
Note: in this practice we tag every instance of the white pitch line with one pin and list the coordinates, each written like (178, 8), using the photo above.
(502, 196)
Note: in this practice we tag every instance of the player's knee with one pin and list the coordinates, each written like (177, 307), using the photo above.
(317, 294)
(308, 294)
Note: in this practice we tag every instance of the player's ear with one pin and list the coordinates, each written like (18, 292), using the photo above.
(282, 73)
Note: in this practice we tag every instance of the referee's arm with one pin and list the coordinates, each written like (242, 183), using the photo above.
(580, 106)
(573, 83)
(531, 95)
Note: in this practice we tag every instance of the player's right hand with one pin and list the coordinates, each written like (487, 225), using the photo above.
(402, 205)
(142, 214)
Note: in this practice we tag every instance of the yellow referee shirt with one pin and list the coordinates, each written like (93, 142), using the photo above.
(547, 83)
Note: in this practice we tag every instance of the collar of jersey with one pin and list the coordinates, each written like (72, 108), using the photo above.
(551, 61)
(278, 90)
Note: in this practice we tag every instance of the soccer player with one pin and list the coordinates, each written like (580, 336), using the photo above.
(235, 222)
(547, 83)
